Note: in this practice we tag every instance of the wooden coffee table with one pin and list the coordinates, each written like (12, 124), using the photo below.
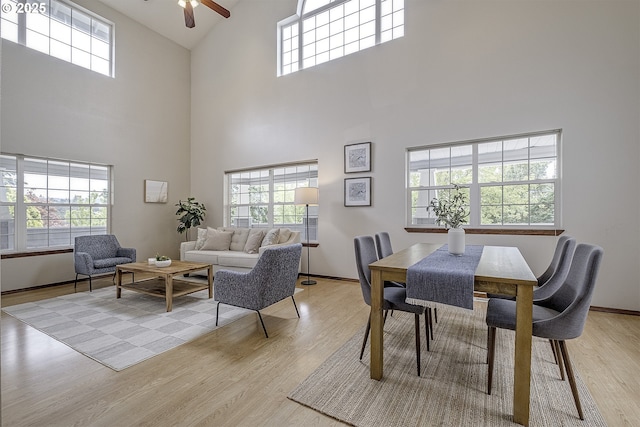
(167, 288)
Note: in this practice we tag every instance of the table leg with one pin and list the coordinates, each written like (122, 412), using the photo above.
(210, 278)
(169, 291)
(377, 324)
(118, 282)
(522, 370)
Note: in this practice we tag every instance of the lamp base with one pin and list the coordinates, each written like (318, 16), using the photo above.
(308, 282)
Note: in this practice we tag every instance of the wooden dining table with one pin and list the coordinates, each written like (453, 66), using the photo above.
(501, 270)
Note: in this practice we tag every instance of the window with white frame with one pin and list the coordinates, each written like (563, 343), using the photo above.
(510, 182)
(46, 203)
(264, 198)
(61, 29)
(324, 30)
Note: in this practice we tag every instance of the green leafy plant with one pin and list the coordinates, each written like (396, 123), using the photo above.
(162, 257)
(451, 210)
(192, 212)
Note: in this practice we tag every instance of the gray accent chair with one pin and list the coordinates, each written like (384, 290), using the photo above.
(271, 280)
(394, 297)
(383, 245)
(99, 254)
(558, 318)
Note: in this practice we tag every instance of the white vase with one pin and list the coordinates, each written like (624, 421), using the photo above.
(456, 241)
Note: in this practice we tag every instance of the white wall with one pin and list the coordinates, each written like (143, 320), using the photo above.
(138, 122)
(465, 70)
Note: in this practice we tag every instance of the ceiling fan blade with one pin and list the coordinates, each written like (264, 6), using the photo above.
(189, 20)
(216, 7)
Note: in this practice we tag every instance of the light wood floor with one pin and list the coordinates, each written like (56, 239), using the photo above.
(234, 376)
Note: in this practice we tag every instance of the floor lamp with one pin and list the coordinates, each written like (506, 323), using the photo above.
(306, 196)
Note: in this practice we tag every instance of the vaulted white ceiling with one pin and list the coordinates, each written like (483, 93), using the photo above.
(166, 17)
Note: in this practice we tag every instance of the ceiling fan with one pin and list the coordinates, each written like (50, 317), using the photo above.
(188, 6)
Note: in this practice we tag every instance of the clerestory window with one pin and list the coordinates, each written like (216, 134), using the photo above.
(324, 30)
(61, 29)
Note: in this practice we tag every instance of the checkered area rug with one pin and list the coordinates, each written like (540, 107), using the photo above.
(122, 332)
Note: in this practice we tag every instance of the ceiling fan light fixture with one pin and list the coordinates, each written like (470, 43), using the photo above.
(183, 3)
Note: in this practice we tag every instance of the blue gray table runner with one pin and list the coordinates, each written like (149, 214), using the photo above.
(444, 278)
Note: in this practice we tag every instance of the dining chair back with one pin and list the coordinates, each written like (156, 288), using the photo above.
(556, 272)
(565, 247)
(384, 248)
(383, 244)
(393, 298)
(560, 317)
(554, 276)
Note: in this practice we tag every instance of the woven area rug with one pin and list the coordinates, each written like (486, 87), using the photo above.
(122, 332)
(451, 390)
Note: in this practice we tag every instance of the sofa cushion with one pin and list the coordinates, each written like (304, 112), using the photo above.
(272, 237)
(254, 240)
(208, 257)
(285, 235)
(239, 238)
(237, 259)
(217, 240)
(202, 236)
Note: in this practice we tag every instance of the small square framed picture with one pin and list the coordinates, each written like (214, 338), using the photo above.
(155, 191)
(357, 157)
(357, 191)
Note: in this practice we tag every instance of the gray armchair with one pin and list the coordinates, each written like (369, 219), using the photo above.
(99, 254)
(271, 280)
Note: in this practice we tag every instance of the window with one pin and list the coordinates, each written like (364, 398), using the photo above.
(46, 203)
(329, 29)
(510, 182)
(60, 29)
(263, 198)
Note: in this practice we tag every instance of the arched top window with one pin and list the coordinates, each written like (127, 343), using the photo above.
(323, 30)
(309, 6)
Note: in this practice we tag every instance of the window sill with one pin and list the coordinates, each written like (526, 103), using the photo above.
(505, 231)
(35, 253)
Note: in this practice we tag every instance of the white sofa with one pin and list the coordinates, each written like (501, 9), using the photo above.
(244, 247)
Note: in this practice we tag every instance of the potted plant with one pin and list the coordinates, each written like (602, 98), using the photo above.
(192, 212)
(452, 211)
(162, 261)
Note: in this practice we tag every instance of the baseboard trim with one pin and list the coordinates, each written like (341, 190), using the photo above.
(614, 310)
(51, 285)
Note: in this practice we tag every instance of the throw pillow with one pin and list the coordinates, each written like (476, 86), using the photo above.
(271, 237)
(239, 238)
(285, 235)
(253, 241)
(217, 240)
(202, 236)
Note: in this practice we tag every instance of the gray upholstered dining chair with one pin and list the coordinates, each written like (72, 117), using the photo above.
(384, 248)
(99, 254)
(271, 280)
(559, 318)
(552, 278)
(394, 297)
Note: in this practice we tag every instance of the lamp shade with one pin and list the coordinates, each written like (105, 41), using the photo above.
(306, 196)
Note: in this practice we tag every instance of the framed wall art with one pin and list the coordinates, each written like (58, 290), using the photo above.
(357, 157)
(155, 191)
(357, 191)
